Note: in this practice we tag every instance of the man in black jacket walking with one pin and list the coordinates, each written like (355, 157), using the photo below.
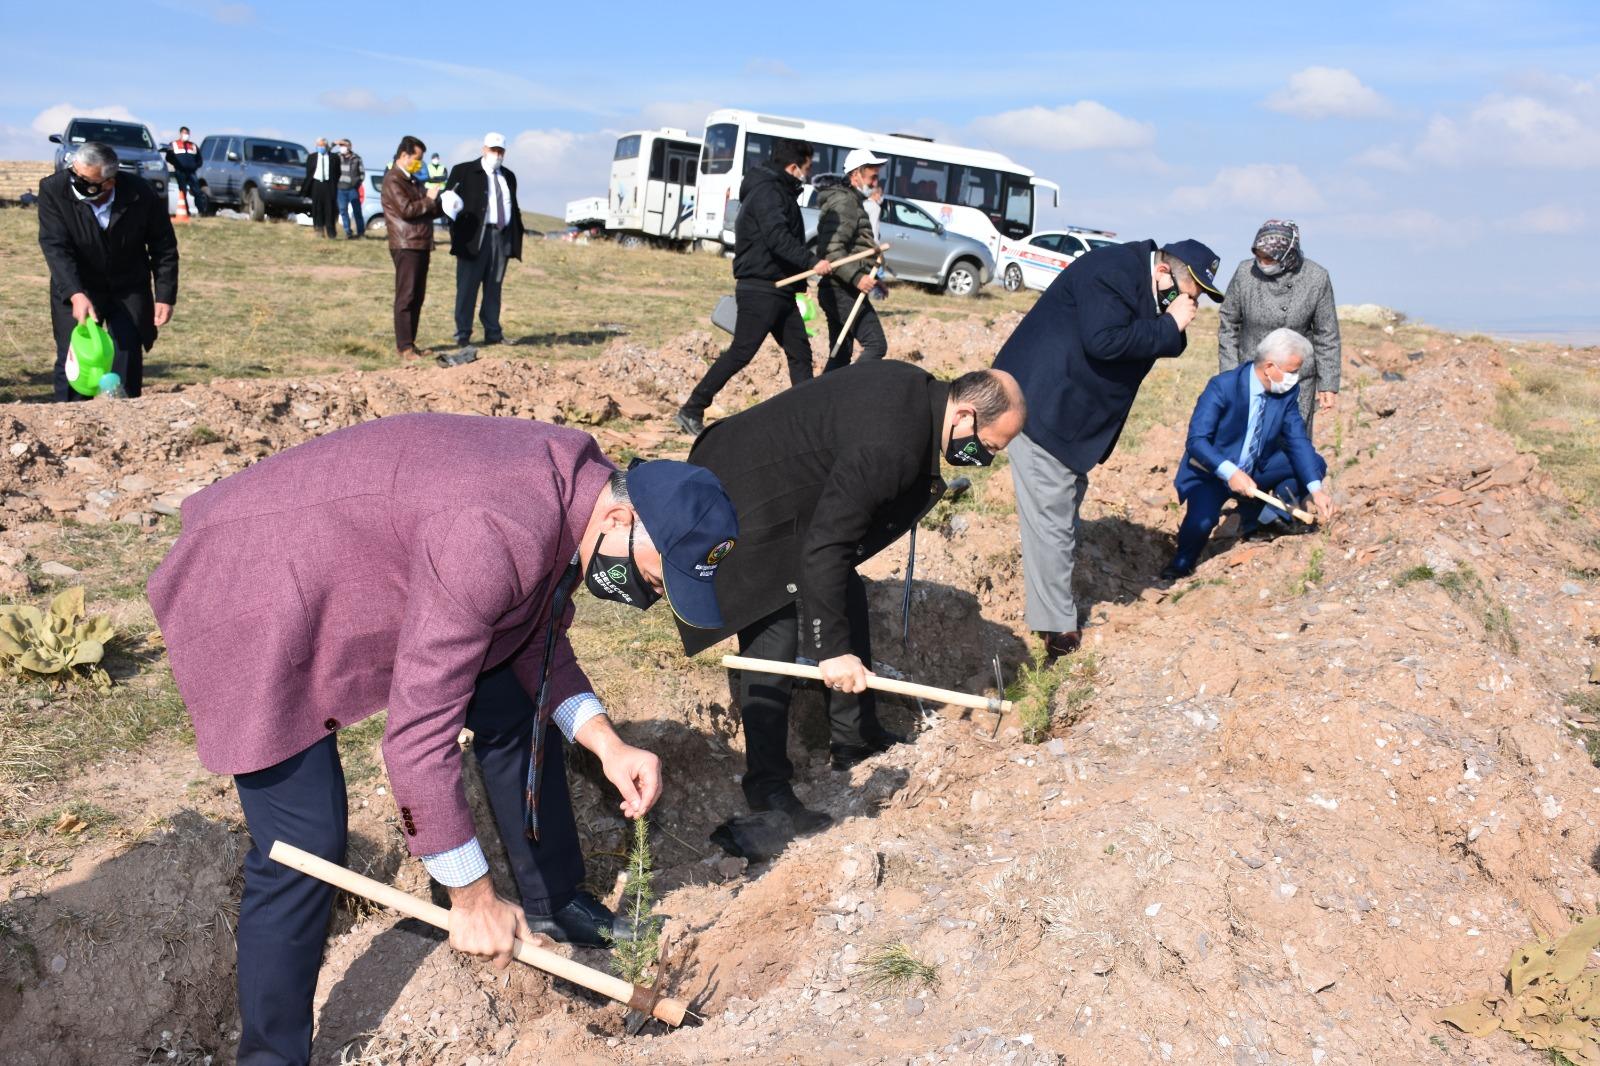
(1080, 354)
(322, 185)
(484, 235)
(107, 240)
(769, 245)
(823, 477)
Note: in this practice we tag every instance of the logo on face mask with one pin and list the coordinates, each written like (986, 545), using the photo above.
(968, 450)
(619, 579)
(619, 574)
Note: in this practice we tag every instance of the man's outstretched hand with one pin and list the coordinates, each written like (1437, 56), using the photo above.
(483, 924)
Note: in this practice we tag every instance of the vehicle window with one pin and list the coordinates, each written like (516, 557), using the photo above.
(910, 216)
(627, 147)
(976, 187)
(1050, 242)
(214, 147)
(717, 157)
(1096, 243)
(116, 134)
(922, 179)
(275, 153)
(1072, 245)
(658, 160)
(377, 182)
(236, 147)
(827, 158)
(675, 170)
(689, 176)
(757, 150)
(1017, 218)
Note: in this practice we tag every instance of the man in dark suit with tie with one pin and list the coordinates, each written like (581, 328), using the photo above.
(485, 234)
(1247, 434)
(322, 185)
(112, 254)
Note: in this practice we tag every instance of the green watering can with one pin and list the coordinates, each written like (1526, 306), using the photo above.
(88, 357)
(808, 312)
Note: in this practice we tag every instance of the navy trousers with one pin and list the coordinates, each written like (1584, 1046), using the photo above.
(1276, 477)
(283, 915)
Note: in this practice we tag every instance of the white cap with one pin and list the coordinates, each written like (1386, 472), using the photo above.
(860, 157)
(494, 140)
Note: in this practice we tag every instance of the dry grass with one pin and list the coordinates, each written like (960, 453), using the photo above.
(1552, 408)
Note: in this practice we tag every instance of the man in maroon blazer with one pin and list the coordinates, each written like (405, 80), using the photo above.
(424, 563)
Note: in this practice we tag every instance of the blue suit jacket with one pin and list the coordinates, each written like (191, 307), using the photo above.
(1217, 428)
(1081, 352)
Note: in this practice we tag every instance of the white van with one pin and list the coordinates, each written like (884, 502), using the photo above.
(970, 191)
(651, 196)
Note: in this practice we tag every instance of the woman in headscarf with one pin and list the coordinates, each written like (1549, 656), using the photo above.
(1280, 287)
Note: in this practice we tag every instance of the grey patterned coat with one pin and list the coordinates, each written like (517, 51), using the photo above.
(1302, 300)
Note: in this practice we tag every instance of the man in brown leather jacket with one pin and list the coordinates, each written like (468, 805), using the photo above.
(408, 214)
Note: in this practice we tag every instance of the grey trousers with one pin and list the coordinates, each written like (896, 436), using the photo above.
(1048, 498)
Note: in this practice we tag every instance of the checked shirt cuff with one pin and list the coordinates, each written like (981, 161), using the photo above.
(574, 712)
(458, 866)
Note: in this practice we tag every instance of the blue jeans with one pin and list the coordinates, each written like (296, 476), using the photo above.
(350, 207)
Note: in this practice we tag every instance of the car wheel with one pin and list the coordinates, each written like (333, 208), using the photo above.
(1013, 278)
(204, 197)
(254, 205)
(376, 224)
(630, 240)
(963, 279)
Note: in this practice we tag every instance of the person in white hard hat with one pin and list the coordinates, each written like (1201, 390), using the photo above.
(845, 228)
(485, 234)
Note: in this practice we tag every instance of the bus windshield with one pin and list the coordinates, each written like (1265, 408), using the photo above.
(627, 147)
(1018, 218)
(720, 142)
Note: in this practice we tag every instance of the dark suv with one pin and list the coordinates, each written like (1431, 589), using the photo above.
(258, 175)
(136, 149)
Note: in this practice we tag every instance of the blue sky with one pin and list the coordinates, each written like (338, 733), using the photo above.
(1437, 156)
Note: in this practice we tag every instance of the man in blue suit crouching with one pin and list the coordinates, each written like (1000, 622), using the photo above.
(1247, 433)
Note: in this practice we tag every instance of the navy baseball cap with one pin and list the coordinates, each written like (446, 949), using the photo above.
(1202, 263)
(692, 524)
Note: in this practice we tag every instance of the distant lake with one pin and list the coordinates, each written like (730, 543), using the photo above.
(1577, 331)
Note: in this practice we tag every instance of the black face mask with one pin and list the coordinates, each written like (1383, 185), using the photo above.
(1166, 297)
(968, 450)
(89, 190)
(618, 578)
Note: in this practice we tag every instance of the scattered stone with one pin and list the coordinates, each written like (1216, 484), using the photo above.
(913, 1007)
(55, 569)
(58, 964)
(1571, 588)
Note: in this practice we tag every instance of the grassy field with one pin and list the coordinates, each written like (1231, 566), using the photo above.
(271, 300)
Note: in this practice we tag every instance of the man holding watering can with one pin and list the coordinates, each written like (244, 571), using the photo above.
(113, 258)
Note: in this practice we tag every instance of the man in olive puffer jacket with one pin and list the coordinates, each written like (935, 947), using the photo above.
(843, 229)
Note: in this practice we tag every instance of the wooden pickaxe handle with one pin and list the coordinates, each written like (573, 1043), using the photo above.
(1265, 497)
(804, 274)
(637, 997)
(882, 684)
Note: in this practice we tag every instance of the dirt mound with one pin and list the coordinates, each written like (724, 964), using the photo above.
(1324, 787)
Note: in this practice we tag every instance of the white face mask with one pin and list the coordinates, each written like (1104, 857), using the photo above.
(491, 162)
(342, 150)
(1283, 384)
(1271, 271)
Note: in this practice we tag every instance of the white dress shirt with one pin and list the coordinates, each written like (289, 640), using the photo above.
(102, 212)
(496, 213)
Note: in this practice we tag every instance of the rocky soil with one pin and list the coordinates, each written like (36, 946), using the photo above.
(1323, 789)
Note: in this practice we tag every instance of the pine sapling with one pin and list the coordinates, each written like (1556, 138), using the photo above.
(634, 959)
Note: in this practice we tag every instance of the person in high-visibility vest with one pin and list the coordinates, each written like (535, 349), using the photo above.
(184, 155)
(436, 174)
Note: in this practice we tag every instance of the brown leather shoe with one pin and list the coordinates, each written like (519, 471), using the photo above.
(409, 355)
(1058, 644)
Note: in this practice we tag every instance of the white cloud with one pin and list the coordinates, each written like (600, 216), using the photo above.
(20, 144)
(1555, 219)
(1516, 131)
(1085, 125)
(677, 114)
(1327, 92)
(555, 165)
(55, 119)
(1269, 188)
(1415, 226)
(1384, 157)
(365, 101)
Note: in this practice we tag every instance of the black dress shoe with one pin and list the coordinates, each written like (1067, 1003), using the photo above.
(691, 424)
(804, 818)
(1058, 644)
(585, 922)
(1172, 572)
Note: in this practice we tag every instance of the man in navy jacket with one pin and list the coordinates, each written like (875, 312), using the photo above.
(1247, 433)
(1080, 355)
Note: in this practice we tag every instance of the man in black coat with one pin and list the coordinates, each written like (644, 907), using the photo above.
(1080, 354)
(823, 477)
(322, 185)
(485, 234)
(107, 240)
(769, 245)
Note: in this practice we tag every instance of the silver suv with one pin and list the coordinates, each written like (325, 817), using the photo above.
(136, 149)
(260, 176)
(921, 249)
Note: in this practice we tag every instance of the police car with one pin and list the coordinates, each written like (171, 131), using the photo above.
(1033, 263)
